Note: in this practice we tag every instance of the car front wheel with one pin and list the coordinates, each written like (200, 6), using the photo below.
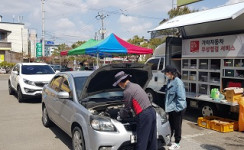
(78, 142)
(45, 119)
(10, 89)
(20, 95)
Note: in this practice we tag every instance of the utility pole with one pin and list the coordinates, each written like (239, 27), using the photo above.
(101, 16)
(43, 39)
(22, 45)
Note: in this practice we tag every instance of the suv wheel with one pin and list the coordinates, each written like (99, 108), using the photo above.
(10, 89)
(19, 95)
(45, 119)
(78, 142)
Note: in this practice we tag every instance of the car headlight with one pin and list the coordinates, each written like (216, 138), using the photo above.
(102, 124)
(29, 82)
(162, 114)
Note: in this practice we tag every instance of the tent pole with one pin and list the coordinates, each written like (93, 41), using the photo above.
(60, 62)
(104, 59)
(97, 59)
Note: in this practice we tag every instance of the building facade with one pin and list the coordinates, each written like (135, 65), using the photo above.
(49, 48)
(13, 41)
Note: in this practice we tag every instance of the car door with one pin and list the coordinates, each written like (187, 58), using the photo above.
(14, 75)
(51, 98)
(66, 106)
(154, 62)
(158, 78)
(161, 76)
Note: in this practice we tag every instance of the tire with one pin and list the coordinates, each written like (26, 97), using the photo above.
(151, 95)
(78, 142)
(45, 118)
(208, 110)
(10, 89)
(20, 95)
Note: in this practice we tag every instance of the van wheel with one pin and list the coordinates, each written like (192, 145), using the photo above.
(19, 95)
(45, 119)
(151, 95)
(10, 89)
(78, 142)
(208, 110)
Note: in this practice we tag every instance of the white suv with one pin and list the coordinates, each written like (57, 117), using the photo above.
(28, 79)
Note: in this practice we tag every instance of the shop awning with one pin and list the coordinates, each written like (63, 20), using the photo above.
(211, 15)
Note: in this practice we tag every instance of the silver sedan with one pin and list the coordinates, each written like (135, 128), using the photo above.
(86, 106)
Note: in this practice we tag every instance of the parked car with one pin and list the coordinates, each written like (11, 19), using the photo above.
(61, 68)
(86, 106)
(28, 79)
(2, 71)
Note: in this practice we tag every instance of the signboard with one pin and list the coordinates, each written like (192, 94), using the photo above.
(219, 46)
(185, 2)
(38, 49)
(49, 43)
(1, 58)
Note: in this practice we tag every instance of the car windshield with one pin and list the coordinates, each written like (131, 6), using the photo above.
(79, 83)
(37, 69)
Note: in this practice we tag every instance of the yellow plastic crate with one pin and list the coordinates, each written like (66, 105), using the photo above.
(236, 125)
(218, 123)
(222, 126)
(205, 121)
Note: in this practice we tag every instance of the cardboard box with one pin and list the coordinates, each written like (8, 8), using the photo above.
(233, 94)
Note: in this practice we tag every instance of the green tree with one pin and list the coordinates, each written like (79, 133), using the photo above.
(173, 13)
(179, 11)
(60, 48)
(77, 44)
(136, 40)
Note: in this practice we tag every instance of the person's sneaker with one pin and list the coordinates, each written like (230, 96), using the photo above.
(174, 146)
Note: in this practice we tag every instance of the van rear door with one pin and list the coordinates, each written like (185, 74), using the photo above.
(173, 52)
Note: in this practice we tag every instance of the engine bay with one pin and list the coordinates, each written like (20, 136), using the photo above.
(114, 111)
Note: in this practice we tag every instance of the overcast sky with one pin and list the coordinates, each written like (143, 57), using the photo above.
(67, 21)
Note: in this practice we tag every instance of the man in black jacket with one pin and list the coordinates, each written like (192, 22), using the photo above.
(135, 98)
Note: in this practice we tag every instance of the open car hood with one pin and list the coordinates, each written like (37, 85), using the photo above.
(102, 79)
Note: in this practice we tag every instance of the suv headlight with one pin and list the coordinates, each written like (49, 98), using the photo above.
(29, 82)
(162, 114)
(102, 124)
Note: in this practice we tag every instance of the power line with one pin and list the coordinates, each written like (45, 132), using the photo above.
(118, 12)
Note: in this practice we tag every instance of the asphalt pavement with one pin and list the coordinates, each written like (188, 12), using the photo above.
(21, 128)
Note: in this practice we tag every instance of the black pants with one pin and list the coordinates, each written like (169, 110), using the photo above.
(175, 121)
(146, 130)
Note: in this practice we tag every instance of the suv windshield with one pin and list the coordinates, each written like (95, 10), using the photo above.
(37, 69)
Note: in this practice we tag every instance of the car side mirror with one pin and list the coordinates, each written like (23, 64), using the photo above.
(57, 71)
(16, 72)
(63, 95)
